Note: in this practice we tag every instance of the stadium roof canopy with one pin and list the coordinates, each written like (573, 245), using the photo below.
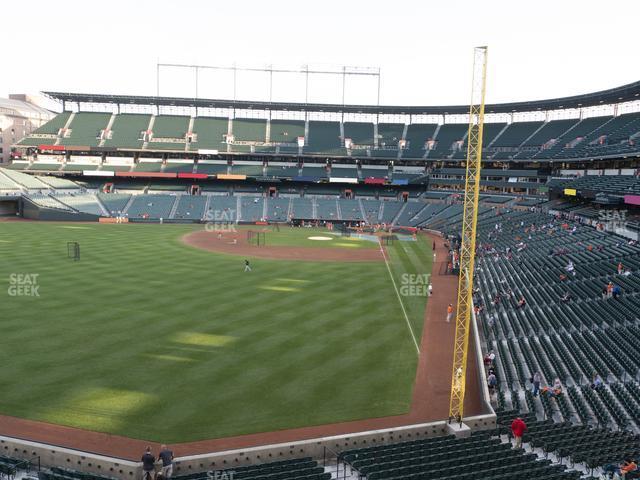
(621, 94)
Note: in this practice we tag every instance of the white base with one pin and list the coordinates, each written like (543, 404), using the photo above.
(459, 430)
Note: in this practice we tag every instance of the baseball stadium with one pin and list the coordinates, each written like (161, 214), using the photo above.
(314, 291)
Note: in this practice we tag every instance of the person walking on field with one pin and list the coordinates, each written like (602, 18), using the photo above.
(518, 427)
(247, 267)
(449, 313)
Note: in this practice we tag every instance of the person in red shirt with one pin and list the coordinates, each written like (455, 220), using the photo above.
(518, 427)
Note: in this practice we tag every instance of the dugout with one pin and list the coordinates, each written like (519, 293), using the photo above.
(9, 206)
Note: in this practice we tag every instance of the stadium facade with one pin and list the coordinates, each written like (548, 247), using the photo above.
(576, 158)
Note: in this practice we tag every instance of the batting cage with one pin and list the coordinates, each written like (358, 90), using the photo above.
(256, 237)
(73, 251)
(387, 240)
(344, 230)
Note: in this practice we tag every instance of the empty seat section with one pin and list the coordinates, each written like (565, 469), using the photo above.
(252, 209)
(286, 131)
(572, 135)
(127, 130)
(367, 172)
(190, 207)
(252, 170)
(550, 130)
(326, 209)
(148, 166)
(302, 208)
(417, 136)
(344, 171)
(169, 132)
(25, 179)
(360, 133)
(390, 210)
(114, 202)
(516, 133)
(350, 210)
(371, 210)
(151, 206)
(179, 167)
(85, 129)
(210, 133)
(277, 209)
(53, 125)
(449, 135)
(283, 171)
(60, 183)
(212, 168)
(389, 134)
(223, 209)
(85, 203)
(314, 171)
(249, 130)
(324, 137)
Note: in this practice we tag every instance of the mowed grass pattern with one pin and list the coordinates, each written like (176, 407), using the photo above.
(149, 338)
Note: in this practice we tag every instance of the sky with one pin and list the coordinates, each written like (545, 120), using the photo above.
(424, 49)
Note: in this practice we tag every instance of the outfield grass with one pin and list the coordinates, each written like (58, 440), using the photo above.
(149, 338)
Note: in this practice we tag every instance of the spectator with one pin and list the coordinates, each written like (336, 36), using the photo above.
(597, 381)
(449, 313)
(166, 456)
(625, 467)
(487, 360)
(616, 291)
(490, 358)
(557, 387)
(610, 290)
(522, 302)
(570, 268)
(566, 297)
(535, 381)
(148, 465)
(518, 427)
(620, 268)
(492, 382)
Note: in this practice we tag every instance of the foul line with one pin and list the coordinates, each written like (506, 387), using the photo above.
(406, 317)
